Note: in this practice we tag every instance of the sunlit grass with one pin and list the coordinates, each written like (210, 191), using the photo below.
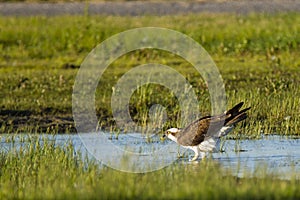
(67, 39)
(257, 56)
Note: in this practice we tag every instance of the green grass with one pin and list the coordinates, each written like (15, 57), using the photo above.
(257, 56)
(54, 172)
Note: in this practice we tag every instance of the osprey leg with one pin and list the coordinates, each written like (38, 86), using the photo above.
(197, 151)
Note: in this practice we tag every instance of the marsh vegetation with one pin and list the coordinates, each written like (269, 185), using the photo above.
(256, 55)
(258, 58)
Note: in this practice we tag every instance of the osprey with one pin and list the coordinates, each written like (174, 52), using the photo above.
(204, 134)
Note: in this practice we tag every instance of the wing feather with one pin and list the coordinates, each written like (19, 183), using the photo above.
(196, 132)
(207, 126)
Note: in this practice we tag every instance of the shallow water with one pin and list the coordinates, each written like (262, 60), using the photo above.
(273, 154)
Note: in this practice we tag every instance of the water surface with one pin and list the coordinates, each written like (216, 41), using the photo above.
(272, 154)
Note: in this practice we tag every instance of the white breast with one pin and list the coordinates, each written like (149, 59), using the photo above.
(172, 137)
(209, 144)
(212, 144)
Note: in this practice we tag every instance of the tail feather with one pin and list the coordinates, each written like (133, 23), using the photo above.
(235, 115)
(237, 119)
(244, 110)
(235, 109)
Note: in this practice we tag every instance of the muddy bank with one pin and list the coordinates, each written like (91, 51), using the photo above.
(48, 120)
(14, 121)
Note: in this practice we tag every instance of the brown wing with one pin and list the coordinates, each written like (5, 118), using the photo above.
(196, 132)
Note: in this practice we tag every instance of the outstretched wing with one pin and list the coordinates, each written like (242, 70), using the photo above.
(196, 132)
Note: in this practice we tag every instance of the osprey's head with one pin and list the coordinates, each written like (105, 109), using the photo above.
(171, 133)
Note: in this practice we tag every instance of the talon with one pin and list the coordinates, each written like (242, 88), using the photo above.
(194, 158)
